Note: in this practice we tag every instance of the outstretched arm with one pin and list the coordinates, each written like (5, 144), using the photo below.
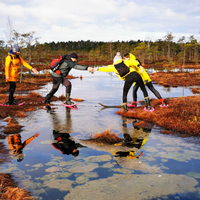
(25, 64)
(30, 139)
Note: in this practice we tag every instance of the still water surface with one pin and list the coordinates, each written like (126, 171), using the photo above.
(168, 169)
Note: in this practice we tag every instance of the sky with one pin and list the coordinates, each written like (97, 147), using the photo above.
(101, 20)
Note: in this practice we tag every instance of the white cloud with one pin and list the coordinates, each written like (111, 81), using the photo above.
(105, 20)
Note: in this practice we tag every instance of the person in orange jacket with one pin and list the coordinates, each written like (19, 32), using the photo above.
(15, 144)
(11, 71)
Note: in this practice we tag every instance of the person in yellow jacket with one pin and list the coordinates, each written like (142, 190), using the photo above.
(127, 70)
(147, 82)
(11, 71)
(15, 144)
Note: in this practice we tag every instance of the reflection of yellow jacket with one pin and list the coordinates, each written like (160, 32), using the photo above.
(15, 143)
(132, 64)
(12, 65)
(144, 75)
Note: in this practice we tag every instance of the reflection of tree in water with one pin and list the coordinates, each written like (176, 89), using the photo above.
(167, 89)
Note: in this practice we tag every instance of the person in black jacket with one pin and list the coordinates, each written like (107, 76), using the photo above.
(58, 79)
(65, 144)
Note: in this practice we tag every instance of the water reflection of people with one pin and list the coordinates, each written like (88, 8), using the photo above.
(133, 140)
(16, 145)
(65, 144)
(135, 143)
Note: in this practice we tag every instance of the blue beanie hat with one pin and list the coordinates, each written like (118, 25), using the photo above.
(74, 55)
(16, 48)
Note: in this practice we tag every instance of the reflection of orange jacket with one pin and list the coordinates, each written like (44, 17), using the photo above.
(12, 65)
(15, 143)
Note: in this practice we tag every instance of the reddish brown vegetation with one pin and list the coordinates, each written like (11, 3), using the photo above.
(182, 115)
(30, 82)
(168, 66)
(4, 154)
(9, 190)
(176, 78)
(142, 124)
(12, 126)
(195, 90)
(32, 101)
(106, 137)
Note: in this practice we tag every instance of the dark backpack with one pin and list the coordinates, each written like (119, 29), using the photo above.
(56, 63)
(122, 69)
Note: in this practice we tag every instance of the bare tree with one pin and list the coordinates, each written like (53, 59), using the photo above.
(182, 43)
(27, 40)
(9, 32)
(168, 39)
(16, 37)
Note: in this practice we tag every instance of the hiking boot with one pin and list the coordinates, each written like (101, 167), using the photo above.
(15, 100)
(134, 104)
(69, 103)
(164, 105)
(11, 103)
(124, 106)
(149, 108)
(47, 102)
(47, 99)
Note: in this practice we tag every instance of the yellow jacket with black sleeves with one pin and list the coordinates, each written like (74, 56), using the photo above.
(12, 65)
(132, 64)
(144, 75)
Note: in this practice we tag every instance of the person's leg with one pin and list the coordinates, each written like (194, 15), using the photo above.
(11, 92)
(135, 89)
(68, 86)
(157, 94)
(140, 82)
(129, 80)
(56, 84)
(151, 87)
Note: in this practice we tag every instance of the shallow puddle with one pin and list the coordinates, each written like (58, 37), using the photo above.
(167, 169)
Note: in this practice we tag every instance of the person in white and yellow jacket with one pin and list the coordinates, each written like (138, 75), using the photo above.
(11, 70)
(147, 81)
(127, 70)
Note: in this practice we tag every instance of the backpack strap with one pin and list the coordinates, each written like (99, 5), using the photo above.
(11, 60)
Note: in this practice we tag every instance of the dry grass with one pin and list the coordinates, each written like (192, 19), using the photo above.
(12, 126)
(182, 115)
(175, 79)
(106, 137)
(9, 190)
(195, 90)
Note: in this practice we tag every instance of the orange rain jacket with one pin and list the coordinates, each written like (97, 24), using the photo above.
(15, 143)
(12, 65)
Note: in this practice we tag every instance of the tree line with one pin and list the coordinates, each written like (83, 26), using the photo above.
(163, 51)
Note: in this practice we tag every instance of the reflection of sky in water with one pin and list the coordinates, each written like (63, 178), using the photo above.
(45, 170)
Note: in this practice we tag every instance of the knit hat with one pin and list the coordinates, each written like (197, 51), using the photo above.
(15, 49)
(74, 55)
(117, 57)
